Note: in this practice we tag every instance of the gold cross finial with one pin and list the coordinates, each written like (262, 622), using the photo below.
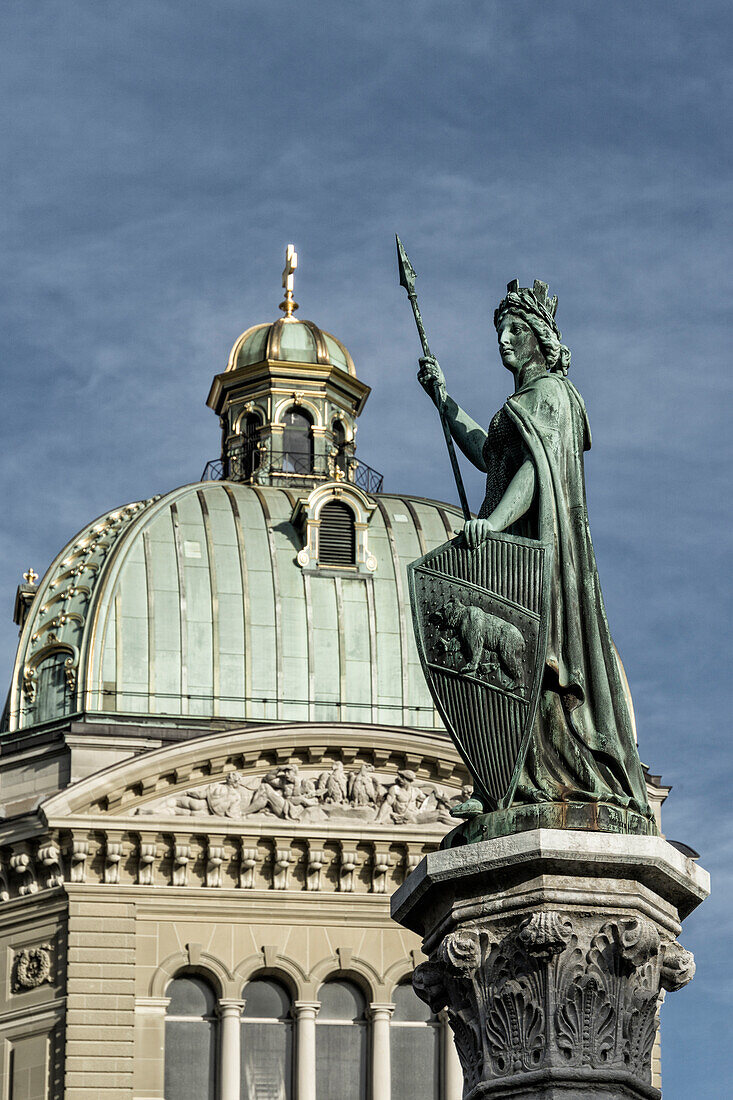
(289, 305)
(31, 576)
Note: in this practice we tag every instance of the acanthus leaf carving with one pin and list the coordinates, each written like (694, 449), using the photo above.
(542, 991)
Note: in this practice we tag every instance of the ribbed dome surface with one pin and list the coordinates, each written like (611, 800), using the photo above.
(194, 604)
(289, 341)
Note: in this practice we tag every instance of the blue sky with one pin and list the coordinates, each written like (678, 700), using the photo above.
(158, 156)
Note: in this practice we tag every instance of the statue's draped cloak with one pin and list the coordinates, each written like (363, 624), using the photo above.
(581, 663)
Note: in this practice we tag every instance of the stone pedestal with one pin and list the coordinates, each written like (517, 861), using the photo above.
(551, 951)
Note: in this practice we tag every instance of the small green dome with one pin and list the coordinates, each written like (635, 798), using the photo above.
(289, 341)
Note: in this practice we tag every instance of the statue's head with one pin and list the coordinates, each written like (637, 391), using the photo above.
(527, 330)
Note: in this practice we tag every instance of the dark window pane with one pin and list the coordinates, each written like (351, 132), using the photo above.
(341, 1001)
(341, 1056)
(408, 1005)
(415, 1061)
(190, 1060)
(297, 443)
(190, 996)
(266, 1000)
(267, 1059)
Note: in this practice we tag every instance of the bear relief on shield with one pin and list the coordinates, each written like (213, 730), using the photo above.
(478, 642)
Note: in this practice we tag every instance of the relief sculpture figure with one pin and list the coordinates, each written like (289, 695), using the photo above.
(580, 744)
(485, 637)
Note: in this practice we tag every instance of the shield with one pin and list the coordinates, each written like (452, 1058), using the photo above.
(480, 617)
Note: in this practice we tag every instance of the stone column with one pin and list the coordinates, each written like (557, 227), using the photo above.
(380, 1015)
(452, 1072)
(551, 951)
(305, 1049)
(230, 1041)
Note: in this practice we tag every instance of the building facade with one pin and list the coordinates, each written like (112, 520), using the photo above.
(218, 760)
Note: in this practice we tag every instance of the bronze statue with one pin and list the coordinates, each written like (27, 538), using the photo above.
(510, 620)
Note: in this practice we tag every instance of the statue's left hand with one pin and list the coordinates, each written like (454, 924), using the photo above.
(476, 531)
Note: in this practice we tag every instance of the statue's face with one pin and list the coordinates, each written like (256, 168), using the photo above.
(517, 343)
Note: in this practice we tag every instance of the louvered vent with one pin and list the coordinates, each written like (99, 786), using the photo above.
(336, 536)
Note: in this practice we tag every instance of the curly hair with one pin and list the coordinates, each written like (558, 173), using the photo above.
(536, 310)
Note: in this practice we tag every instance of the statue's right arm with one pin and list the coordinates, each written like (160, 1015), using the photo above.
(469, 435)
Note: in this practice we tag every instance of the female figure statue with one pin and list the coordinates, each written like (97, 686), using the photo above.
(582, 746)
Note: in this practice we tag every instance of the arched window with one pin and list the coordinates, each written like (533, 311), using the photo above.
(336, 534)
(341, 1043)
(190, 1040)
(250, 439)
(53, 696)
(414, 1047)
(339, 442)
(297, 443)
(267, 1042)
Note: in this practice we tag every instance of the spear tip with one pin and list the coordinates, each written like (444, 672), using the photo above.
(407, 271)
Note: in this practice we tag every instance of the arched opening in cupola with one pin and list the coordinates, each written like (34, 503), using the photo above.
(250, 439)
(339, 445)
(297, 445)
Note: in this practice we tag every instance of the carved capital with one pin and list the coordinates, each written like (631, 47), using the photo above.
(543, 993)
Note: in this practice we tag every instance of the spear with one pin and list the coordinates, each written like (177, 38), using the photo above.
(407, 280)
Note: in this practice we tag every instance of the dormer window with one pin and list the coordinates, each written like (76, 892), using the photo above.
(297, 442)
(336, 535)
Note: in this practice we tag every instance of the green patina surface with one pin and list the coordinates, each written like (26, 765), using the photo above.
(509, 616)
(596, 817)
(194, 604)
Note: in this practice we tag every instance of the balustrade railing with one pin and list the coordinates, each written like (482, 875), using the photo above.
(301, 470)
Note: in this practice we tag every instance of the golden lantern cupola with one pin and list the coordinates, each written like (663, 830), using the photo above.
(288, 403)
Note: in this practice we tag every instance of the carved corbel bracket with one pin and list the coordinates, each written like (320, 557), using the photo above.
(49, 857)
(181, 860)
(382, 860)
(317, 862)
(349, 862)
(22, 866)
(113, 853)
(79, 855)
(215, 856)
(147, 855)
(249, 857)
(283, 860)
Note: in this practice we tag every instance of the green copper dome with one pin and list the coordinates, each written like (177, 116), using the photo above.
(195, 604)
(289, 341)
